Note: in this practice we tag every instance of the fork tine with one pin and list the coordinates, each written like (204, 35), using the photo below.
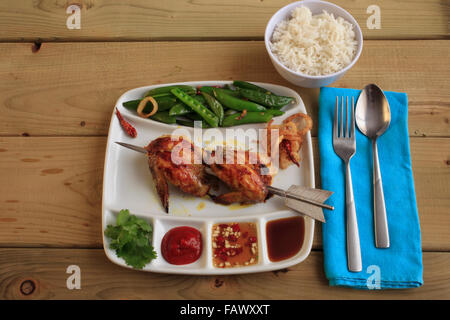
(335, 123)
(346, 117)
(353, 120)
(341, 127)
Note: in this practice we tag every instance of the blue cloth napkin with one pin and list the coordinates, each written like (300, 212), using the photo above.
(399, 266)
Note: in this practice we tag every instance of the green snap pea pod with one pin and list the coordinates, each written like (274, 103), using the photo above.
(159, 95)
(236, 103)
(229, 112)
(251, 86)
(132, 104)
(268, 100)
(166, 90)
(164, 103)
(193, 116)
(209, 90)
(275, 112)
(190, 123)
(198, 107)
(179, 109)
(229, 87)
(164, 117)
(249, 117)
(215, 106)
(200, 99)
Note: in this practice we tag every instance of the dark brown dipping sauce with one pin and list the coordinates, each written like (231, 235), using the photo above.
(284, 237)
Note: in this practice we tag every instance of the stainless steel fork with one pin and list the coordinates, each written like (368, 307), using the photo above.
(344, 145)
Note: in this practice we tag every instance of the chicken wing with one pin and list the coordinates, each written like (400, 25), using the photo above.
(292, 132)
(247, 180)
(173, 160)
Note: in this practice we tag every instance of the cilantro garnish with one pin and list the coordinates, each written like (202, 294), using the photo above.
(131, 238)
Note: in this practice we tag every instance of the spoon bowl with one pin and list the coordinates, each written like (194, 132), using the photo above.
(373, 114)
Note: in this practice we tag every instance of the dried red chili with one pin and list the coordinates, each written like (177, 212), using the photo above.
(129, 129)
(286, 145)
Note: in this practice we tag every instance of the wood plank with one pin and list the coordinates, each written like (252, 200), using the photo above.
(51, 191)
(214, 19)
(71, 88)
(101, 279)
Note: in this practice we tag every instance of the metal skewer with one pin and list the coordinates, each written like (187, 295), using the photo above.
(283, 193)
(311, 199)
(132, 147)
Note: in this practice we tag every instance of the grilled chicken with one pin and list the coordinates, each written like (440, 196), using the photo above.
(247, 180)
(291, 134)
(177, 166)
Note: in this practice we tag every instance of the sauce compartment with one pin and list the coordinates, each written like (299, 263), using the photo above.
(235, 244)
(284, 237)
(160, 228)
(282, 228)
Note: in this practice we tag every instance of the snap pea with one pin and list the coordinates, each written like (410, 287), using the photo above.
(249, 117)
(229, 87)
(251, 86)
(190, 123)
(229, 112)
(215, 106)
(197, 106)
(180, 108)
(275, 112)
(209, 90)
(236, 103)
(268, 100)
(164, 103)
(132, 104)
(165, 91)
(193, 116)
(200, 99)
(164, 117)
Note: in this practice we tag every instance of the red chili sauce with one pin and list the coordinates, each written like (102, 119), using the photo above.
(181, 245)
(284, 237)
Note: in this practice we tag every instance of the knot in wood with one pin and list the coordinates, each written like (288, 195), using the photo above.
(27, 287)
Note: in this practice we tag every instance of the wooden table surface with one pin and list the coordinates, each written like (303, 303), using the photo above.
(57, 91)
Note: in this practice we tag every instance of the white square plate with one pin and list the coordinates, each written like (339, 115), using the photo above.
(128, 184)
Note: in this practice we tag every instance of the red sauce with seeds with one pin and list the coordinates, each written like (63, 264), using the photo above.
(284, 237)
(181, 245)
(234, 245)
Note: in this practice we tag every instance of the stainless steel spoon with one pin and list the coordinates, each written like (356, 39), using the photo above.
(373, 117)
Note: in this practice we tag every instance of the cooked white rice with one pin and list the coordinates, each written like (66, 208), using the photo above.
(314, 45)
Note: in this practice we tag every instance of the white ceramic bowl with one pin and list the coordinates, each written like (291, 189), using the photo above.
(316, 7)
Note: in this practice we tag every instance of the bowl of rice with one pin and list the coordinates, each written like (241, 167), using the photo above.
(313, 43)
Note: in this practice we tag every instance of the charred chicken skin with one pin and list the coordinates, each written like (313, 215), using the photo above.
(247, 180)
(292, 133)
(183, 173)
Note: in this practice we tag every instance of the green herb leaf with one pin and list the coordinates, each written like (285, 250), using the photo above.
(131, 238)
(123, 217)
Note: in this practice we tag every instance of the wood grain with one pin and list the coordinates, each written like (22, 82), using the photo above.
(51, 191)
(101, 279)
(71, 88)
(213, 19)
